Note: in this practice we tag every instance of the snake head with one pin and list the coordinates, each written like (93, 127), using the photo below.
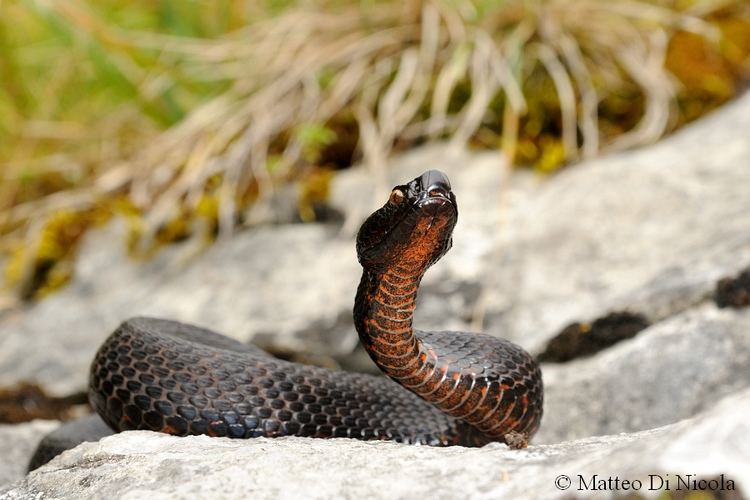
(413, 229)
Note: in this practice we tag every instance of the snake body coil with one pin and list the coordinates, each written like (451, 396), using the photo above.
(463, 388)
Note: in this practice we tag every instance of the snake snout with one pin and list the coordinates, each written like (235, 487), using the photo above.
(435, 179)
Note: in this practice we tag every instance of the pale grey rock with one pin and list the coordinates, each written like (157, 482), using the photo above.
(272, 281)
(68, 435)
(143, 464)
(649, 230)
(17, 443)
(668, 372)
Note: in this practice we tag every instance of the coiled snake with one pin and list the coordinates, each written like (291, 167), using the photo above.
(445, 388)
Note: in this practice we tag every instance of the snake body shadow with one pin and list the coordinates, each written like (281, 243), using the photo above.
(444, 388)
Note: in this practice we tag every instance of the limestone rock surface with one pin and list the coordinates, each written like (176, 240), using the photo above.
(144, 464)
(17, 443)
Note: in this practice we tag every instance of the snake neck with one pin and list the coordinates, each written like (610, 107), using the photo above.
(383, 313)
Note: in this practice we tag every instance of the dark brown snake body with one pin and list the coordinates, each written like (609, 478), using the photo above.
(463, 388)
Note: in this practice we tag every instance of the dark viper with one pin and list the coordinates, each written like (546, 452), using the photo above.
(461, 388)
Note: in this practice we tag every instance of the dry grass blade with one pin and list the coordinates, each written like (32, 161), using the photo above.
(589, 99)
(643, 62)
(566, 96)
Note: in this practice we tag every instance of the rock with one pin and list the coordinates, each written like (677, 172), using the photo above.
(66, 436)
(668, 372)
(272, 281)
(649, 230)
(139, 464)
(17, 443)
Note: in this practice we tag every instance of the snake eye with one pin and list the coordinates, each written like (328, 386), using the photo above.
(397, 196)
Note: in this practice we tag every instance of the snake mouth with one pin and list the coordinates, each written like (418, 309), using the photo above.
(435, 202)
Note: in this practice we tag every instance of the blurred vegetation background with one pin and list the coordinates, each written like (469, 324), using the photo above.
(184, 117)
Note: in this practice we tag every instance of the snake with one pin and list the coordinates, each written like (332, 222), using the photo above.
(442, 388)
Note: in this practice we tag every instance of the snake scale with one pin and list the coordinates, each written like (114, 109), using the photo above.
(443, 388)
